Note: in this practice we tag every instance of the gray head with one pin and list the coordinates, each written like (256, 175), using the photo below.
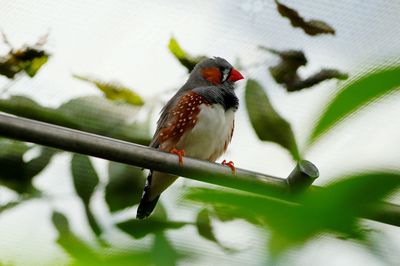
(213, 71)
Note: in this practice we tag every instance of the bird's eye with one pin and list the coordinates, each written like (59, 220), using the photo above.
(225, 74)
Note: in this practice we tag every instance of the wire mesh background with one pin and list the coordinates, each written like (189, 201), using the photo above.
(127, 41)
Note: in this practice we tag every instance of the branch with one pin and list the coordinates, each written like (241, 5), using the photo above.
(138, 155)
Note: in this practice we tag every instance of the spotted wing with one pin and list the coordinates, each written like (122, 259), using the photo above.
(179, 118)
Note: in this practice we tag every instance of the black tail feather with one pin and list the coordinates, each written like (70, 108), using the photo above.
(146, 206)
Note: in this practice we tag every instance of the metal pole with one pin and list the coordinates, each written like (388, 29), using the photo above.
(124, 152)
(138, 155)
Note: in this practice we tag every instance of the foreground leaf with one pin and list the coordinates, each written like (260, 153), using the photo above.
(17, 173)
(125, 186)
(335, 209)
(205, 229)
(355, 96)
(85, 181)
(115, 91)
(28, 108)
(72, 244)
(267, 123)
(164, 253)
(83, 114)
(85, 255)
(140, 228)
(113, 119)
(311, 27)
(184, 58)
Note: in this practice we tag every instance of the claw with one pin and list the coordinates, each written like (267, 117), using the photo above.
(180, 154)
(230, 164)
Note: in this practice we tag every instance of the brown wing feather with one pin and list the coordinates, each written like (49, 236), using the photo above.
(181, 118)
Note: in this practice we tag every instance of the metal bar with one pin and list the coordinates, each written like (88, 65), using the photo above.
(134, 154)
(138, 155)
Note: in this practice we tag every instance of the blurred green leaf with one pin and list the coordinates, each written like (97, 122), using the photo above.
(16, 173)
(72, 244)
(26, 107)
(83, 114)
(115, 91)
(85, 255)
(203, 224)
(311, 27)
(267, 123)
(37, 164)
(140, 228)
(164, 253)
(27, 59)
(125, 186)
(84, 176)
(204, 228)
(32, 67)
(85, 181)
(336, 208)
(112, 122)
(356, 95)
(184, 58)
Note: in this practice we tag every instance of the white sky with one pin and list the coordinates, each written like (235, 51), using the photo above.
(127, 41)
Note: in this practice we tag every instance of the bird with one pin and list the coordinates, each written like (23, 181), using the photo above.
(198, 122)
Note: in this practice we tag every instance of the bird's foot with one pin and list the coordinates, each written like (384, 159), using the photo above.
(180, 154)
(230, 164)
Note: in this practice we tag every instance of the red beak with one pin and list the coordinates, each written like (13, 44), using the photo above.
(235, 75)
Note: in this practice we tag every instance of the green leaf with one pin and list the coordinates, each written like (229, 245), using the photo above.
(83, 114)
(125, 186)
(72, 244)
(203, 224)
(26, 107)
(85, 255)
(204, 228)
(85, 181)
(184, 58)
(113, 119)
(356, 95)
(15, 173)
(267, 123)
(32, 67)
(28, 59)
(335, 209)
(140, 228)
(84, 176)
(115, 91)
(164, 254)
(37, 164)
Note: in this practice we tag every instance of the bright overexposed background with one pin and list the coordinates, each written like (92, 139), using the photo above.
(127, 41)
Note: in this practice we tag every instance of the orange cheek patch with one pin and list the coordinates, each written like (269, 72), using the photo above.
(212, 74)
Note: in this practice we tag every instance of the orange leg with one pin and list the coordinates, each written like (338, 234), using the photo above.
(180, 154)
(230, 164)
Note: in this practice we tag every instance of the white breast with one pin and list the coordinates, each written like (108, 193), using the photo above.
(211, 134)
